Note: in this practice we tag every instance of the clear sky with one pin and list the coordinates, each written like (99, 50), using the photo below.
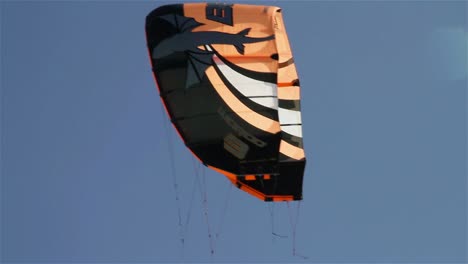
(86, 163)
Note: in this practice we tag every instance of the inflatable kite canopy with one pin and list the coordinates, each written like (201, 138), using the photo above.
(227, 78)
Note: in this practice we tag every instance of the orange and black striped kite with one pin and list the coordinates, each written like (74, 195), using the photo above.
(227, 78)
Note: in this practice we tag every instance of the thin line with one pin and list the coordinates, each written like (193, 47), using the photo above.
(224, 212)
(174, 175)
(466, 141)
(2, 118)
(204, 200)
(297, 124)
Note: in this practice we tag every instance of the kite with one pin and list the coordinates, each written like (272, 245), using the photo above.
(227, 79)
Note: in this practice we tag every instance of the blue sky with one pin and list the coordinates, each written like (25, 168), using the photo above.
(85, 160)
